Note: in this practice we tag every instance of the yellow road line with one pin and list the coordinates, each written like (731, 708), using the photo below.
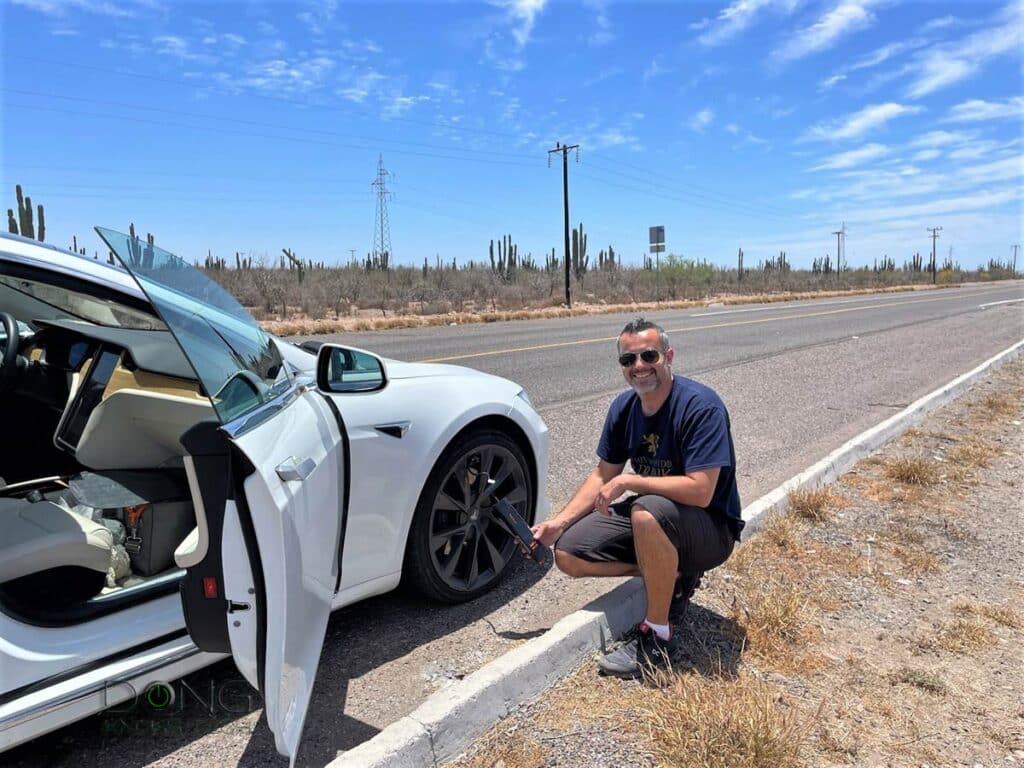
(579, 342)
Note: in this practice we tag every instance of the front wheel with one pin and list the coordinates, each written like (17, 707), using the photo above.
(457, 551)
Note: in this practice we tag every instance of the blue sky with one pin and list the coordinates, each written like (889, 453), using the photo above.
(761, 124)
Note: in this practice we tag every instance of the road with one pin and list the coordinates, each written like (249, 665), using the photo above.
(799, 379)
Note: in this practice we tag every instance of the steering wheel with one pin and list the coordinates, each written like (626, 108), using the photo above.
(9, 361)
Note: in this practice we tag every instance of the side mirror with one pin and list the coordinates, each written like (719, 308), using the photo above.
(344, 369)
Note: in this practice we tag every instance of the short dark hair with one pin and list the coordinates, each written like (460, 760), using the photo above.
(634, 327)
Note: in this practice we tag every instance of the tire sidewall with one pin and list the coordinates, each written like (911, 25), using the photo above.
(419, 566)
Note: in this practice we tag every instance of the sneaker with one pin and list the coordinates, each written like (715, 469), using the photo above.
(644, 653)
(686, 585)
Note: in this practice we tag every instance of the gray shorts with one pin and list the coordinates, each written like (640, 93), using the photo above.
(702, 538)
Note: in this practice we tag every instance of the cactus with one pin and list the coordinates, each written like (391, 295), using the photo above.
(580, 260)
(12, 225)
(24, 213)
(295, 263)
(42, 222)
(739, 266)
(551, 262)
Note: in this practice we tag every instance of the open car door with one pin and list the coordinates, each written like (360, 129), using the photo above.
(263, 563)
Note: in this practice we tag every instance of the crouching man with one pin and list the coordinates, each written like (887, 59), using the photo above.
(681, 515)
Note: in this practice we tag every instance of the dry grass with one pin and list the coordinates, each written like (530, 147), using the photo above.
(712, 723)
(972, 452)
(912, 470)
(917, 560)
(777, 621)
(1000, 614)
(961, 636)
(815, 504)
(314, 326)
(781, 532)
(999, 405)
(515, 751)
(919, 678)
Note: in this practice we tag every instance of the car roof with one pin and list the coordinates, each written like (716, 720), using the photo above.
(23, 250)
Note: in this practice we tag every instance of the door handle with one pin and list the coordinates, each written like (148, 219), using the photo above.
(293, 469)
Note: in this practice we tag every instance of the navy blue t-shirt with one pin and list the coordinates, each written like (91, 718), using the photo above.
(689, 432)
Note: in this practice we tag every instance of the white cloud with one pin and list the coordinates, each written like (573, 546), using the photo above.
(523, 14)
(702, 119)
(64, 7)
(847, 17)
(64, 32)
(977, 110)
(319, 16)
(366, 83)
(178, 47)
(940, 139)
(950, 63)
(886, 52)
(233, 39)
(831, 82)
(654, 69)
(978, 200)
(852, 158)
(975, 151)
(926, 154)
(940, 23)
(1000, 170)
(856, 125)
(604, 33)
(398, 105)
(732, 128)
(280, 75)
(735, 18)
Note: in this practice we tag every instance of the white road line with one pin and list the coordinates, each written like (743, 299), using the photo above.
(995, 303)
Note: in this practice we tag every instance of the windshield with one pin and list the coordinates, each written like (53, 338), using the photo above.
(236, 361)
(76, 304)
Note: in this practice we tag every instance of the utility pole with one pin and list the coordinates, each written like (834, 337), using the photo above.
(1016, 248)
(935, 234)
(353, 252)
(840, 238)
(564, 149)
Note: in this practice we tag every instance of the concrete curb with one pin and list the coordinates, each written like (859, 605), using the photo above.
(447, 722)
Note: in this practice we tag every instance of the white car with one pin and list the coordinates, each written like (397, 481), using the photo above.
(178, 485)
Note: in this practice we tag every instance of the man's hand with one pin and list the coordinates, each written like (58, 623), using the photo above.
(609, 492)
(547, 533)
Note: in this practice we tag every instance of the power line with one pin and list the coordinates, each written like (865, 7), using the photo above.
(690, 188)
(301, 140)
(191, 85)
(375, 140)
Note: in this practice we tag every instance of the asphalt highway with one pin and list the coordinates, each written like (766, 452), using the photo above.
(799, 379)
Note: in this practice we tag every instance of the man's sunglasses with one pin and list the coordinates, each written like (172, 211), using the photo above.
(649, 356)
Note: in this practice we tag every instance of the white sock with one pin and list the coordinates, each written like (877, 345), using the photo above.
(664, 631)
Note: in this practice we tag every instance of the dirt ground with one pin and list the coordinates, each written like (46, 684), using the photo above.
(879, 622)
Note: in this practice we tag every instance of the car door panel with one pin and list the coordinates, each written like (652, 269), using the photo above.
(296, 529)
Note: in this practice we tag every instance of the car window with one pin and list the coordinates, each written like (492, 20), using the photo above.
(236, 361)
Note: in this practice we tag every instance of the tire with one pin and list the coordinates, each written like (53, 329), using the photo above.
(448, 535)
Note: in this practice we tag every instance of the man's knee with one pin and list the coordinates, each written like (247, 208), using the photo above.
(568, 564)
(641, 517)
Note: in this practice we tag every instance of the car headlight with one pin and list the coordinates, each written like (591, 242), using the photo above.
(525, 398)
